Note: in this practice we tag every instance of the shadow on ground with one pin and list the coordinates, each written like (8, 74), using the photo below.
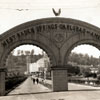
(29, 93)
(54, 92)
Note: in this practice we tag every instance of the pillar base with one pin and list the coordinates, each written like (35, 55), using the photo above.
(2, 81)
(59, 78)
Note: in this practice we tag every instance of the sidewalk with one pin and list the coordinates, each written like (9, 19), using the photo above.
(27, 87)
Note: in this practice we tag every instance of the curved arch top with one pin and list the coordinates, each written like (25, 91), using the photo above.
(57, 36)
(50, 20)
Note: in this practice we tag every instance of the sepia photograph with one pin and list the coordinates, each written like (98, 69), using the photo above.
(49, 50)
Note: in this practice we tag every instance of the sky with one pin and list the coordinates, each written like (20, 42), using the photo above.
(15, 12)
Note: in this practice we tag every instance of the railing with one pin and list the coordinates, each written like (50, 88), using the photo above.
(77, 80)
(86, 81)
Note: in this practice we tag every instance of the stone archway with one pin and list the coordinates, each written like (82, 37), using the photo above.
(57, 36)
(29, 42)
(89, 42)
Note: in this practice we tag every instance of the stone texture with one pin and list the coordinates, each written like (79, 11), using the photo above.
(59, 79)
(57, 36)
(2, 83)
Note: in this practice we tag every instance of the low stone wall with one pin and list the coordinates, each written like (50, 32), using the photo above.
(11, 83)
(46, 83)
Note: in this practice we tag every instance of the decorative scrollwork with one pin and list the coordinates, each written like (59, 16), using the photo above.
(59, 37)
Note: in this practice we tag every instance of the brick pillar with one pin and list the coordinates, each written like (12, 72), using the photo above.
(2, 81)
(59, 79)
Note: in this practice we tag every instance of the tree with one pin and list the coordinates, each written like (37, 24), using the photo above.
(22, 52)
(32, 52)
(81, 59)
(86, 72)
(73, 70)
(27, 53)
(98, 77)
(18, 52)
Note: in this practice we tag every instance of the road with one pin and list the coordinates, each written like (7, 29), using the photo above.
(28, 91)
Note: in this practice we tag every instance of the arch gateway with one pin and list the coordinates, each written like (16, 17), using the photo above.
(57, 36)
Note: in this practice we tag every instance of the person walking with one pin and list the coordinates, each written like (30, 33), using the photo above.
(33, 80)
(37, 80)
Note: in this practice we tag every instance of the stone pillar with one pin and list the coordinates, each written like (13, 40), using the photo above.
(59, 79)
(2, 81)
